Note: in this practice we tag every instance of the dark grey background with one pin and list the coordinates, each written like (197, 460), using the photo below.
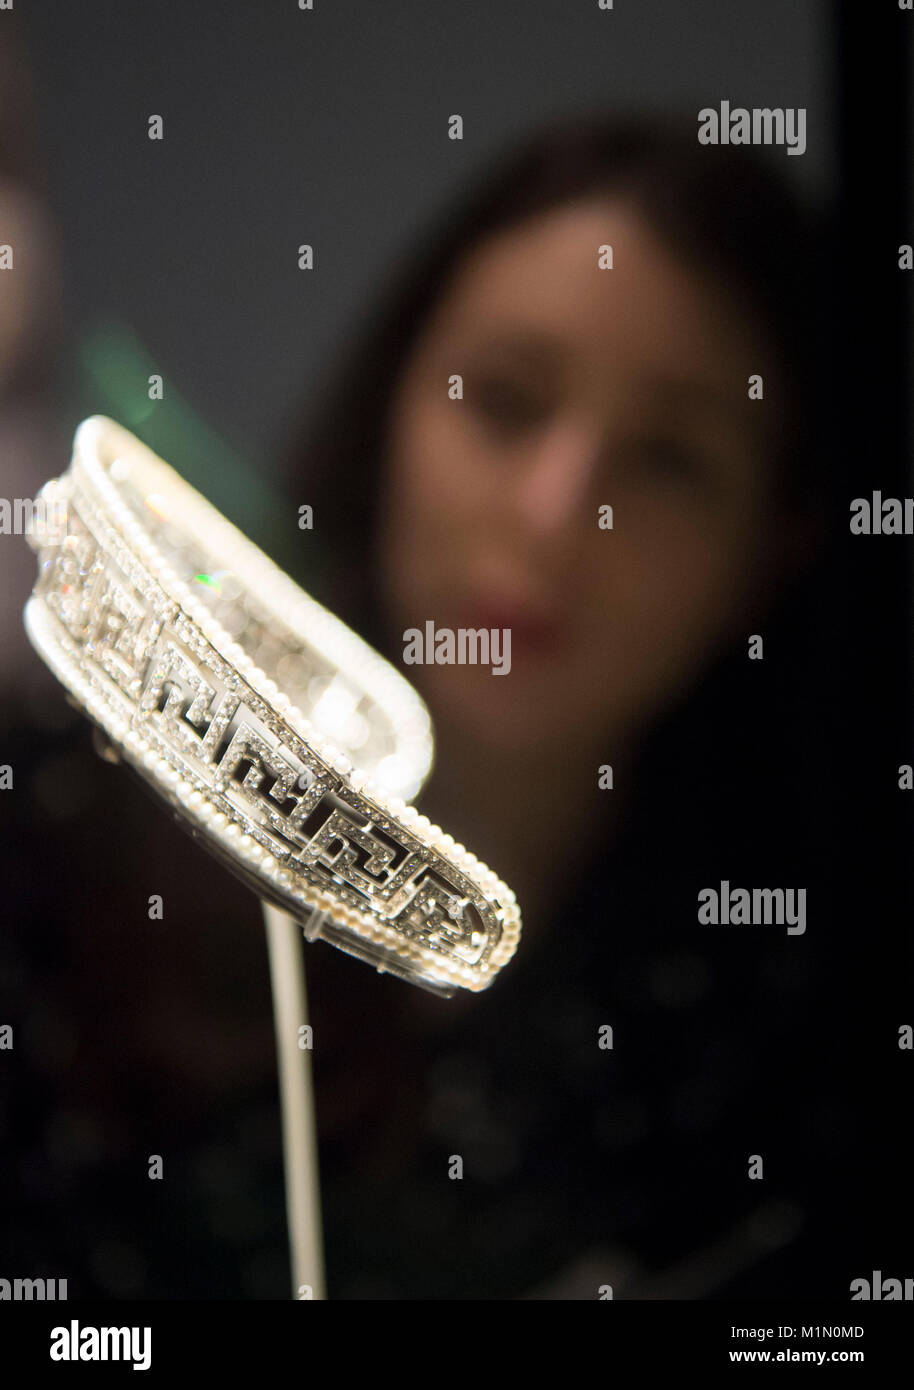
(330, 127)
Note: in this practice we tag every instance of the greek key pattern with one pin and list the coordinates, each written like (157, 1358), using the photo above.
(216, 731)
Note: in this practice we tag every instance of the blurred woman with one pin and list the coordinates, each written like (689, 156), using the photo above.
(583, 387)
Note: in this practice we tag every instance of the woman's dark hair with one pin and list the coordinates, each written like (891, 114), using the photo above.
(724, 210)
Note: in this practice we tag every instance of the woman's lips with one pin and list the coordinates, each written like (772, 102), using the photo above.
(534, 630)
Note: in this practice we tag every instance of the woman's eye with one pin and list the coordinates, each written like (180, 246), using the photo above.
(506, 404)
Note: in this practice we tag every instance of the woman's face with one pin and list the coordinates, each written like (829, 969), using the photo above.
(582, 388)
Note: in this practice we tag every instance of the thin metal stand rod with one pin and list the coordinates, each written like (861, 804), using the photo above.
(296, 1093)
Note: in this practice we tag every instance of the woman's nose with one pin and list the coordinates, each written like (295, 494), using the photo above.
(555, 484)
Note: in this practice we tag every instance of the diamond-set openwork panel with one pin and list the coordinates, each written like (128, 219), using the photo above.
(327, 846)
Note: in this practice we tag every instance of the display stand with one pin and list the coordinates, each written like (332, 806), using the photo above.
(296, 1094)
